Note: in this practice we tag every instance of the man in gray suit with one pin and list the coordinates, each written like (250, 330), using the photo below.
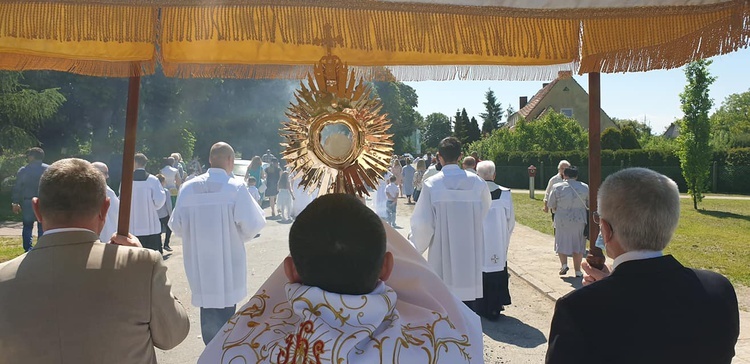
(73, 299)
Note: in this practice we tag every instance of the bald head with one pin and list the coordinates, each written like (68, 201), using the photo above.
(222, 156)
(102, 168)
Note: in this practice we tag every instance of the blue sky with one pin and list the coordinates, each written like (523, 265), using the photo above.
(653, 95)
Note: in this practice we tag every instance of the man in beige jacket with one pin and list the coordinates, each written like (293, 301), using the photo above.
(74, 299)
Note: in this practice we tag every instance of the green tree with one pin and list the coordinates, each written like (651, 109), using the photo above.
(437, 127)
(695, 129)
(460, 127)
(474, 133)
(493, 113)
(730, 124)
(551, 132)
(399, 102)
(629, 138)
(23, 111)
(642, 129)
(611, 139)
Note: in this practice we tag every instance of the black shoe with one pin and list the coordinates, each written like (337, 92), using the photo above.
(167, 248)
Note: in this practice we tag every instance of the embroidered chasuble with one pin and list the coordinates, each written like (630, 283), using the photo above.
(497, 229)
(448, 220)
(215, 215)
(411, 318)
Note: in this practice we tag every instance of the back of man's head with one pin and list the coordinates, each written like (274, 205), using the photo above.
(470, 163)
(486, 170)
(71, 189)
(36, 153)
(102, 168)
(338, 244)
(571, 172)
(140, 160)
(642, 206)
(450, 149)
(221, 155)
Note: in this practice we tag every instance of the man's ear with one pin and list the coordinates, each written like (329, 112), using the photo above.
(291, 271)
(105, 207)
(35, 207)
(387, 269)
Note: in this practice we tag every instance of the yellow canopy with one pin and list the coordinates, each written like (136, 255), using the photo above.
(417, 40)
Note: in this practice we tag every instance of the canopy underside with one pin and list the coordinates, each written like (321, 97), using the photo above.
(419, 40)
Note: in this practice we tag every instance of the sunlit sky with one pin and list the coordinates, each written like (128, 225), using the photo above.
(651, 96)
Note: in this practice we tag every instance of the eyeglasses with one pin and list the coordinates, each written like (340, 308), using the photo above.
(597, 218)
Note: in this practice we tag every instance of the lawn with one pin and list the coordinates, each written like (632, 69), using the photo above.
(714, 237)
(10, 247)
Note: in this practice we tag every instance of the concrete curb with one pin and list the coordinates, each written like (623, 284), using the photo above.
(546, 290)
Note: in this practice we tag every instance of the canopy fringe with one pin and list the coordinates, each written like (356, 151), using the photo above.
(725, 34)
(373, 73)
(16, 62)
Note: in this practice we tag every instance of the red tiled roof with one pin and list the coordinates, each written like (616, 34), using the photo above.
(526, 110)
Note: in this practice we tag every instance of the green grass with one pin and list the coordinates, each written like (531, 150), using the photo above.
(10, 247)
(714, 237)
(529, 212)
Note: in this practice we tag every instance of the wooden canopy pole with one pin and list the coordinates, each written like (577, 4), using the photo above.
(596, 257)
(126, 184)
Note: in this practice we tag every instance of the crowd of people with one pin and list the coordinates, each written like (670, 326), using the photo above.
(353, 289)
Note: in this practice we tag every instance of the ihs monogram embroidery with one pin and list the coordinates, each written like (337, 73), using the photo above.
(297, 349)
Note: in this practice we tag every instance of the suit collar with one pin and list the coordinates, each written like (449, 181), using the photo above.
(65, 238)
(647, 266)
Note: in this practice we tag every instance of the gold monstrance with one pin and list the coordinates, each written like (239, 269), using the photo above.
(336, 138)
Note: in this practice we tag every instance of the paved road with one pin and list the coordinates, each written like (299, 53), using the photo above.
(518, 337)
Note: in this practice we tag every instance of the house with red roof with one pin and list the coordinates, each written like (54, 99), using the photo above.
(563, 95)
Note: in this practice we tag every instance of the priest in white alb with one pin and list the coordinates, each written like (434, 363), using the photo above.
(448, 220)
(215, 215)
(353, 290)
(110, 223)
(497, 227)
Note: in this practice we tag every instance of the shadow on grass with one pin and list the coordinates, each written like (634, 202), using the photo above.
(513, 331)
(724, 215)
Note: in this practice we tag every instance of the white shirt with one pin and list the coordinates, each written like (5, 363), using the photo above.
(431, 171)
(391, 191)
(635, 255)
(148, 197)
(254, 192)
(170, 175)
(65, 230)
(215, 215)
(410, 318)
(110, 224)
(448, 220)
(552, 181)
(498, 226)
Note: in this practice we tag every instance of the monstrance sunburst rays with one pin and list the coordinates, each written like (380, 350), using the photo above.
(336, 138)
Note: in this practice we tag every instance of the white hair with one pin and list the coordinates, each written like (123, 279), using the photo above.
(486, 170)
(563, 163)
(642, 206)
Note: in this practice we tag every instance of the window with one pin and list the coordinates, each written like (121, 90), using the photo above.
(567, 112)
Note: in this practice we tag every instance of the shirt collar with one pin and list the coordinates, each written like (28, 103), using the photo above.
(635, 255)
(451, 168)
(217, 171)
(64, 230)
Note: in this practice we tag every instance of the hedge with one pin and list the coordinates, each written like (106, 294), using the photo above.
(732, 166)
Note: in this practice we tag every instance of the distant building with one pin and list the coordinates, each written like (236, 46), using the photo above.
(563, 95)
(672, 132)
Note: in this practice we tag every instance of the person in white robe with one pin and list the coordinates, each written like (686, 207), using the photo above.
(570, 201)
(387, 309)
(499, 225)
(408, 172)
(380, 201)
(215, 215)
(302, 197)
(110, 224)
(148, 197)
(448, 220)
